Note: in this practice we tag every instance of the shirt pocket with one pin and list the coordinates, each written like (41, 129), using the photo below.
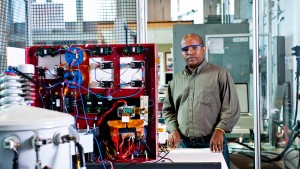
(206, 98)
(208, 107)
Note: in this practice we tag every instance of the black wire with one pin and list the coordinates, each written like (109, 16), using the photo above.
(291, 150)
(152, 102)
(25, 76)
(279, 157)
(297, 93)
(81, 154)
(251, 155)
(291, 140)
(16, 160)
(289, 160)
(245, 145)
(164, 156)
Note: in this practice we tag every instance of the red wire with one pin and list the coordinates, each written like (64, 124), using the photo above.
(110, 110)
(130, 148)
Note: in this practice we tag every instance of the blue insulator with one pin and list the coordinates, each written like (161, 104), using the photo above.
(74, 78)
(74, 56)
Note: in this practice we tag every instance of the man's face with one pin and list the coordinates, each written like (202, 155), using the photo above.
(192, 50)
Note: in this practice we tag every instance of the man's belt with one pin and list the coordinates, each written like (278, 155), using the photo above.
(203, 139)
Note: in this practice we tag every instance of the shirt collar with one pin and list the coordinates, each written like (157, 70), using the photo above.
(197, 70)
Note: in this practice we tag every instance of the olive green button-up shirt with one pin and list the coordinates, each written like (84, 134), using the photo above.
(198, 102)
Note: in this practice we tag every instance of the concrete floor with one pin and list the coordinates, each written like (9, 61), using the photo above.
(241, 161)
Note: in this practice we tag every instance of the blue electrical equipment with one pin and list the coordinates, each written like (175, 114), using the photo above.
(74, 78)
(74, 56)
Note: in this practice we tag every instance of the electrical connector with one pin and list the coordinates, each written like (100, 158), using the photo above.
(133, 49)
(60, 72)
(42, 72)
(41, 52)
(106, 65)
(136, 65)
(137, 83)
(106, 84)
(102, 50)
(11, 142)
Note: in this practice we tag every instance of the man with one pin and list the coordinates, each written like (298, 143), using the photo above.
(201, 102)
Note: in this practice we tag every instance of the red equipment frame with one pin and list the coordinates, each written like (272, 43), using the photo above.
(148, 55)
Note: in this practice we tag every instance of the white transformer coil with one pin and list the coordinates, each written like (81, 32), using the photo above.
(27, 87)
(10, 91)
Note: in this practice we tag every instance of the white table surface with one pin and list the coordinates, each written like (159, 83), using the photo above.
(195, 155)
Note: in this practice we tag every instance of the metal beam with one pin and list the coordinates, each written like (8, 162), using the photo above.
(141, 19)
(257, 116)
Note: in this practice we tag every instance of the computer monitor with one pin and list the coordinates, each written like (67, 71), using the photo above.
(242, 91)
(246, 120)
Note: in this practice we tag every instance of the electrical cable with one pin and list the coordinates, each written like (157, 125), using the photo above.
(51, 73)
(291, 150)
(245, 145)
(99, 150)
(43, 81)
(285, 130)
(77, 113)
(64, 104)
(146, 136)
(111, 73)
(289, 160)
(91, 55)
(123, 82)
(56, 84)
(15, 161)
(115, 91)
(110, 110)
(81, 154)
(85, 118)
(100, 96)
(291, 140)
(24, 75)
(297, 89)
(152, 103)
(291, 163)
(116, 98)
(96, 74)
(83, 108)
(42, 99)
(251, 155)
(280, 156)
(116, 54)
(163, 157)
(111, 164)
(130, 147)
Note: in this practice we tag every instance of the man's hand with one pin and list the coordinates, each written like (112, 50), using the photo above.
(174, 139)
(216, 141)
